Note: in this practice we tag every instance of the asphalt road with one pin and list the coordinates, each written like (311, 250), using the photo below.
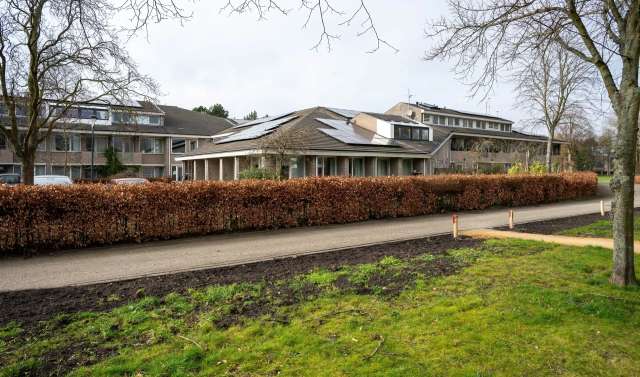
(120, 262)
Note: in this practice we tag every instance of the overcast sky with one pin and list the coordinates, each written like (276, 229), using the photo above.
(269, 65)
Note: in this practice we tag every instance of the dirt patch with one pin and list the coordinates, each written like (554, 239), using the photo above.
(30, 306)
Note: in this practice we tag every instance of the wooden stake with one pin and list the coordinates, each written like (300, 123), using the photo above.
(602, 207)
(510, 219)
(454, 220)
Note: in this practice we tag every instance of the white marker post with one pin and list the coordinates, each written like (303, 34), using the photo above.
(454, 221)
(602, 207)
(510, 219)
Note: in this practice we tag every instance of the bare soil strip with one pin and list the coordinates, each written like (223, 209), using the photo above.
(30, 306)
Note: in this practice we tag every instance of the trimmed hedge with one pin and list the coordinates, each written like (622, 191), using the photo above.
(36, 217)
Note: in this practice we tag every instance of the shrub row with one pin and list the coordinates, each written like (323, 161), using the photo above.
(35, 218)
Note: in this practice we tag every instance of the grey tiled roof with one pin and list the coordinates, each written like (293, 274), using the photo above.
(177, 121)
(320, 141)
(447, 111)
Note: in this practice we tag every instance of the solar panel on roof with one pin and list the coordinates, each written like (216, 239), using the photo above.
(345, 112)
(346, 133)
(256, 131)
(262, 120)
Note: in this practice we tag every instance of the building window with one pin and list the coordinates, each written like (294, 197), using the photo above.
(402, 132)
(425, 118)
(177, 145)
(3, 142)
(443, 120)
(123, 144)
(177, 172)
(102, 143)
(456, 122)
(450, 120)
(66, 143)
(407, 167)
(384, 167)
(424, 134)
(481, 124)
(40, 169)
(153, 171)
(193, 145)
(356, 167)
(415, 133)
(296, 167)
(154, 120)
(152, 145)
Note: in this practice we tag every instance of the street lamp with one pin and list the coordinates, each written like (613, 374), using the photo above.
(93, 146)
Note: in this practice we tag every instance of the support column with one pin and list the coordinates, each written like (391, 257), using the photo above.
(195, 163)
(206, 169)
(236, 168)
(220, 170)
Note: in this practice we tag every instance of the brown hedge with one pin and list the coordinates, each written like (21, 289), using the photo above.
(37, 218)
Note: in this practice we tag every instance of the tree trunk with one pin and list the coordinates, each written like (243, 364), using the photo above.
(28, 167)
(622, 186)
(549, 150)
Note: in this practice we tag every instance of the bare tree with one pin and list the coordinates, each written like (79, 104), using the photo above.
(575, 129)
(323, 11)
(284, 143)
(61, 52)
(490, 35)
(550, 82)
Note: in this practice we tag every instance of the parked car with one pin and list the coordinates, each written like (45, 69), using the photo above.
(56, 180)
(9, 179)
(129, 181)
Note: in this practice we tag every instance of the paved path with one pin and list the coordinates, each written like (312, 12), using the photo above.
(102, 264)
(606, 243)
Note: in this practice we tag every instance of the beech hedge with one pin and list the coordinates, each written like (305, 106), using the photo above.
(44, 218)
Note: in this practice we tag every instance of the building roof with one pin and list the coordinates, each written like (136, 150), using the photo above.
(310, 120)
(448, 111)
(186, 122)
(391, 118)
(316, 121)
(177, 121)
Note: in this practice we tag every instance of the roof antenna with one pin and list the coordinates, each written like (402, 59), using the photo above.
(409, 95)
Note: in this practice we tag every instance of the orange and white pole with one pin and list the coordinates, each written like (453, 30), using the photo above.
(510, 219)
(602, 207)
(454, 221)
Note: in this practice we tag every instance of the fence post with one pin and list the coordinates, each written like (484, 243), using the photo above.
(454, 221)
(602, 207)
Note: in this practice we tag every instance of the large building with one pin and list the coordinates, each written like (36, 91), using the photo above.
(408, 139)
(147, 138)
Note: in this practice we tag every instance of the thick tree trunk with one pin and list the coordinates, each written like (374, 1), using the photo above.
(28, 168)
(622, 186)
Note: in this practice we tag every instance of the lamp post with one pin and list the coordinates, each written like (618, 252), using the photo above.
(93, 147)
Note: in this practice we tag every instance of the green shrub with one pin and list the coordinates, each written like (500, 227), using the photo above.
(516, 168)
(258, 173)
(537, 168)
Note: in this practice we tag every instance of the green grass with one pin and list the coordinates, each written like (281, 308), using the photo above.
(518, 308)
(604, 178)
(601, 228)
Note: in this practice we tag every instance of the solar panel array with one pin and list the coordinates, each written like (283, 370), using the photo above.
(262, 120)
(345, 112)
(256, 131)
(346, 133)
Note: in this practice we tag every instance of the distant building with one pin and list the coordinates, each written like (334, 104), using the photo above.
(146, 137)
(409, 139)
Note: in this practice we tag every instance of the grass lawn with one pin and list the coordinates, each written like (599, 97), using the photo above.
(506, 308)
(604, 178)
(601, 228)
